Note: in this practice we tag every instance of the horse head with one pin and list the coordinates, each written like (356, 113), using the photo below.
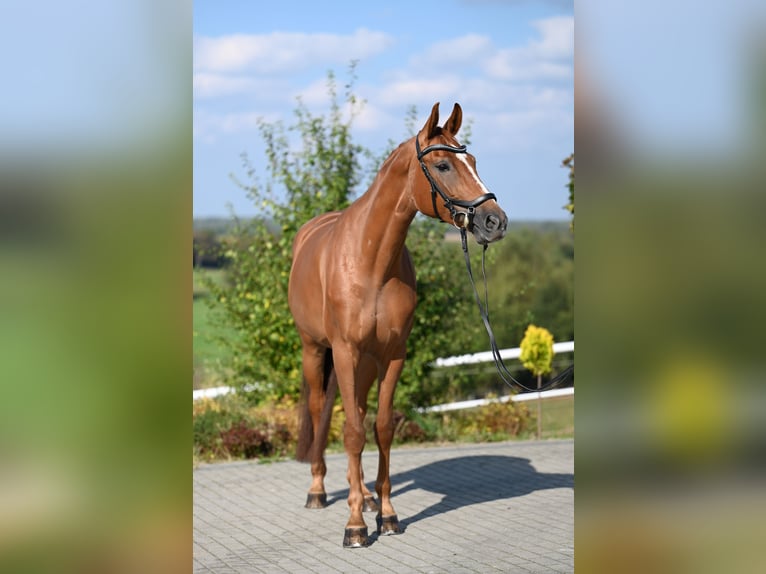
(450, 172)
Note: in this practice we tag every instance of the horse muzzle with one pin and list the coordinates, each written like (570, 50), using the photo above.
(488, 224)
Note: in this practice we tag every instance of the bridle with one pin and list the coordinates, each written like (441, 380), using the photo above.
(464, 221)
(461, 219)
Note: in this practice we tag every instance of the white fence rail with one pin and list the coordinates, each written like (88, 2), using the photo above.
(521, 397)
(483, 357)
(213, 392)
(486, 356)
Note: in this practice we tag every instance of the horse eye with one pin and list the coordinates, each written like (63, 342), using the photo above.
(442, 166)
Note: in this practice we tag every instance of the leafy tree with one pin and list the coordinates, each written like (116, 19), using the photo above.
(569, 162)
(537, 350)
(537, 356)
(319, 176)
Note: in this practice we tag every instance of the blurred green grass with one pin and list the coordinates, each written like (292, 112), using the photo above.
(209, 353)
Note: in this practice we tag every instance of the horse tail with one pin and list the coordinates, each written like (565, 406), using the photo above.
(308, 444)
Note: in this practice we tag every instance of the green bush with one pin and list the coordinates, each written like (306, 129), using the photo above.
(230, 427)
(493, 422)
(208, 424)
(244, 440)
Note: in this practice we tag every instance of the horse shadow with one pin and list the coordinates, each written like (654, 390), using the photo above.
(468, 480)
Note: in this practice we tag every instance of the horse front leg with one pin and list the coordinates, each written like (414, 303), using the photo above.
(367, 373)
(388, 522)
(346, 363)
(369, 505)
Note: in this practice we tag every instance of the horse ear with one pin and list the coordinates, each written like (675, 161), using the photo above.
(452, 125)
(432, 124)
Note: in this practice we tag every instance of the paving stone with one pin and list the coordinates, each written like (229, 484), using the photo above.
(504, 507)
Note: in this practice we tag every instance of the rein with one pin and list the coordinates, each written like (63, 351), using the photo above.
(463, 220)
(465, 217)
(502, 370)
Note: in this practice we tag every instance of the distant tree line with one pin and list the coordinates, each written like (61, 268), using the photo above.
(207, 249)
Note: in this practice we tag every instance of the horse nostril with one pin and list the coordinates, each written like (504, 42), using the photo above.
(492, 222)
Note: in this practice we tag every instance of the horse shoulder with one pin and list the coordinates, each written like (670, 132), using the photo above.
(398, 297)
(310, 230)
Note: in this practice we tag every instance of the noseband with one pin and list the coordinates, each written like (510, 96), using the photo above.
(465, 217)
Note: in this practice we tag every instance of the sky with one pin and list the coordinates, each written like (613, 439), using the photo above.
(510, 65)
(676, 76)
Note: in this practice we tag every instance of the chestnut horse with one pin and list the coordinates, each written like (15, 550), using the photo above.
(352, 295)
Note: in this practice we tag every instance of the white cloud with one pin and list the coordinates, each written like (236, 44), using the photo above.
(522, 130)
(514, 65)
(209, 126)
(557, 37)
(547, 57)
(550, 57)
(418, 90)
(518, 87)
(367, 116)
(315, 94)
(372, 117)
(207, 85)
(461, 51)
(285, 52)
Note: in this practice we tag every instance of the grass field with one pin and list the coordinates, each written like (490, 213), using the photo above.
(558, 417)
(209, 354)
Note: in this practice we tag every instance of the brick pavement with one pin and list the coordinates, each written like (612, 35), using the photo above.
(499, 507)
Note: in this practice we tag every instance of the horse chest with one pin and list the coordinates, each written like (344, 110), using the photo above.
(394, 310)
(376, 316)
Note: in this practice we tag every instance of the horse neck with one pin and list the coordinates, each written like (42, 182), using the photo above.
(382, 216)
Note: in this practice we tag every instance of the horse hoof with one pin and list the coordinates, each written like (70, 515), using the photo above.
(369, 504)
(355, 538)
(388, 525)
(314, 500)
